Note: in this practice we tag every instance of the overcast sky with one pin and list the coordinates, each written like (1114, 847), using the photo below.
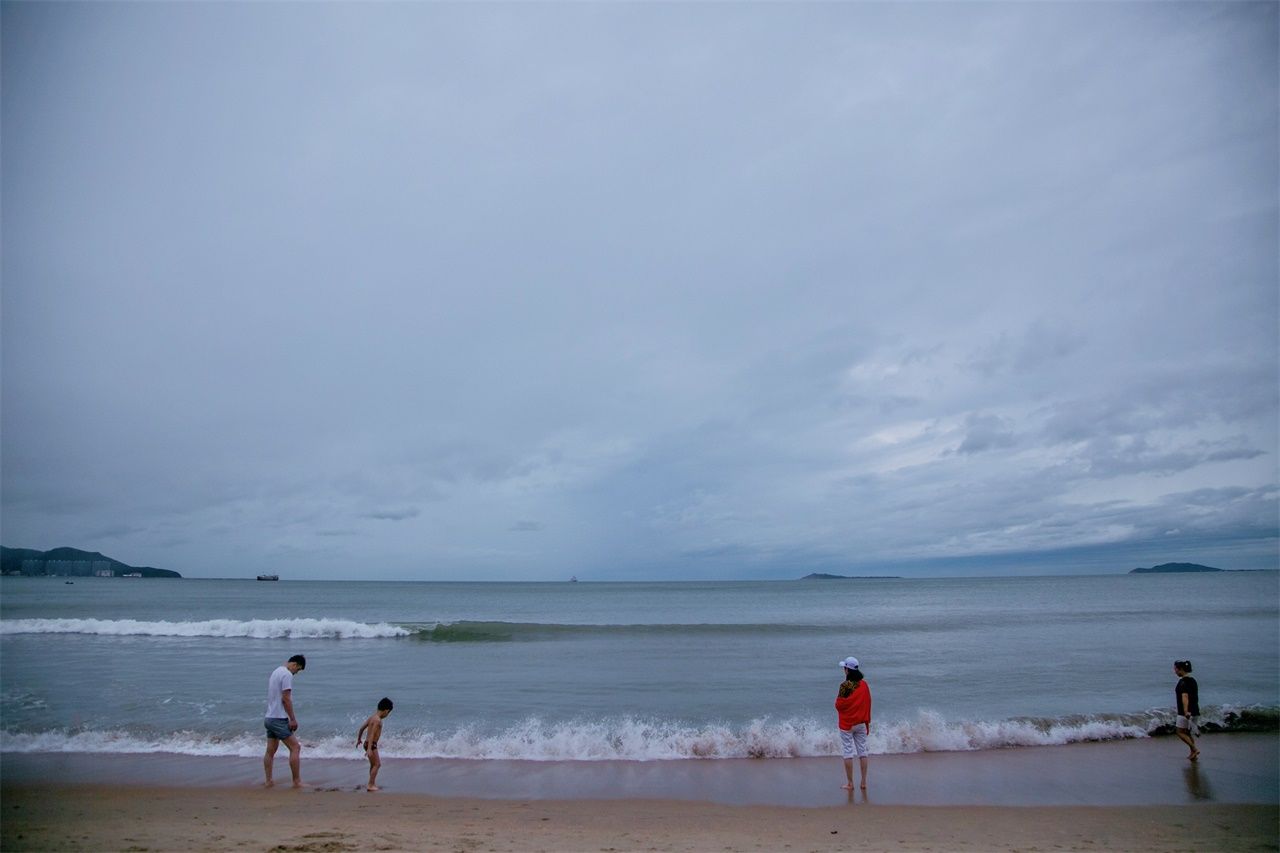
(488, 291)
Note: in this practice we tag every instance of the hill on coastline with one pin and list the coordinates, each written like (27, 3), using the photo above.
(71, 562)
(822, 576)
(1165, 568)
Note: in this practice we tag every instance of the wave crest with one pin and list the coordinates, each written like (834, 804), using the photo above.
(461, 631)
(257, 629)
(631, 739)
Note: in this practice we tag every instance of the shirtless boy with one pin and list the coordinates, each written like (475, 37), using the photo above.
(374, 727)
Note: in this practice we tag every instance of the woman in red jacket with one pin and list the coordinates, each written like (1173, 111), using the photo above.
(853, 705)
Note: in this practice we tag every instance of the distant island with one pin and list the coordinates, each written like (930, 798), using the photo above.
(821, 576)
(1166, 568)
(72, 563)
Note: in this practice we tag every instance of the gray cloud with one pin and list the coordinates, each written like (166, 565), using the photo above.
(705, 290)
(394, 514)
(1040, 344)
(986, 432)
(1111, 458)
(526, 527)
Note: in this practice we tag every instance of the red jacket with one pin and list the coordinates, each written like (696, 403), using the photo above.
(855, 708)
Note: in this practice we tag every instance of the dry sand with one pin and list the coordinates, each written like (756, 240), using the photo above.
(96, 817)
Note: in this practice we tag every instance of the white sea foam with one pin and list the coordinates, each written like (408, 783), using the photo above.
(634, 739)
(257, 629)
(931, 732)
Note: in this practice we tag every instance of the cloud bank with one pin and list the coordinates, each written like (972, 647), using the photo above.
(674, 291)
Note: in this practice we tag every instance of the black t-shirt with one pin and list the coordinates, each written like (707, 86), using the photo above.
(1187, 684)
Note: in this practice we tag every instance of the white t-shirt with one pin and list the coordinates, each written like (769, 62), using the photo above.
(280, 681)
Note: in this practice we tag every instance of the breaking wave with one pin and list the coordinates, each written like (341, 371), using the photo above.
(630, 739)
(464, 631)
(256, 629)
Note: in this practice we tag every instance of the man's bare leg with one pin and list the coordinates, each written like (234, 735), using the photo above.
(375, 764)
(1185, 737)
(268, 760)
(848, 772)
(295, 759)
(862, 761)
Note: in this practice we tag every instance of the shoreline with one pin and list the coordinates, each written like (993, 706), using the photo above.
(1233, 769)
(1141, 795)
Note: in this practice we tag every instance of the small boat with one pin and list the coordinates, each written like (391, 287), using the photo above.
(573, 579)
(69, 582)
(268, 577)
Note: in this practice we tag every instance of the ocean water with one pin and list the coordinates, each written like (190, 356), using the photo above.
(634, 671)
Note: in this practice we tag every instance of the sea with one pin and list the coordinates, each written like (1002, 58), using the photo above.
(592, 671)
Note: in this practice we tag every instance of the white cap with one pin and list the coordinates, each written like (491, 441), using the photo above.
(850, 662)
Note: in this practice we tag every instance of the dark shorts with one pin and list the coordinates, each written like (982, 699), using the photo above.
(278, 728)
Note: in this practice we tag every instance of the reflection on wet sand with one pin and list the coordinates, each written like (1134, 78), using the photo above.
(857, 796)
(1197, 781)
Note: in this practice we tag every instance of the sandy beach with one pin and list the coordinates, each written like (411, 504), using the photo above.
(95, 817)
(1134, 795)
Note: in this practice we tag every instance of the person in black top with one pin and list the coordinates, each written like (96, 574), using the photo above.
(1187, 701)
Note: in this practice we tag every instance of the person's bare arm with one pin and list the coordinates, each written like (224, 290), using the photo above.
(360, 734)
(286, 698)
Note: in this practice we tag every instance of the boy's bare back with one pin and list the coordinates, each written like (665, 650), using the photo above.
(371, 733)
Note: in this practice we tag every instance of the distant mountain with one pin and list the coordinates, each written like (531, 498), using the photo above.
(1166, 568)
(821, 576)
(71, 562)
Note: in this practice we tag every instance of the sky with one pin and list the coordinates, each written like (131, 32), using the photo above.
(438, 291)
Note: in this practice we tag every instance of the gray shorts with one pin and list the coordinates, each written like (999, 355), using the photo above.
(1191, 725)
(278, 728)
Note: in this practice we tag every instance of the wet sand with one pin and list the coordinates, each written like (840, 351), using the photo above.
(92, 818)
(1234, 768)
(1135, 795)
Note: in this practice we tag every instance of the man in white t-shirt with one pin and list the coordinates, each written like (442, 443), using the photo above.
(280, 720)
